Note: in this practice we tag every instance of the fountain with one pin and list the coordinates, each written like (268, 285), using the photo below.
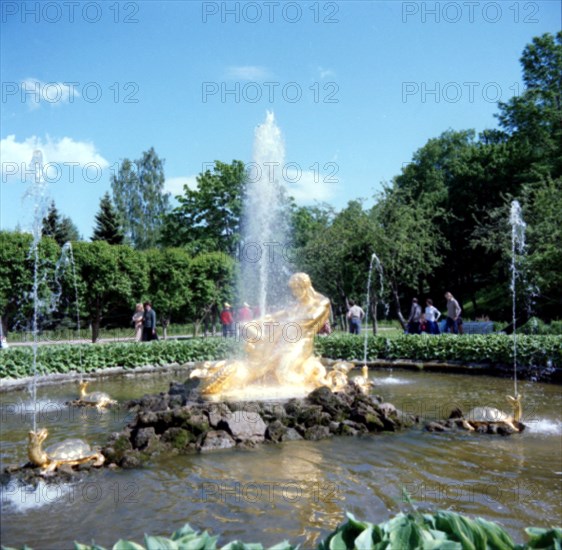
(279, 352)
(278, 346)
(374, 258)
(37, 192)
(517, 248)
(265, 232)
(71, 451)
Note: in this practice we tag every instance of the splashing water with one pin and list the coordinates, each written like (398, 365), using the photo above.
(67, 256)
(517, 249)
(37, 192)
(265, 230)
(367, 308)
(546, 427)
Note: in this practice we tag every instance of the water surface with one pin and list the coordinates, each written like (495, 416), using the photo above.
(299, 490)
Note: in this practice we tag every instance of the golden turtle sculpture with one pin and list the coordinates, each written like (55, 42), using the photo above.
(484, 416)
(70, 451)
(98, 399)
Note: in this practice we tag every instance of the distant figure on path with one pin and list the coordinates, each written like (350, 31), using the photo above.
(355, 315)
(227, 320)
(453, 314)
(245, 313)
(432, 315)
(424, 325)
(149, 323)
(414, 318)
(138, 318)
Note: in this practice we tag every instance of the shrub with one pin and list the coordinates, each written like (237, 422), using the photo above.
(445, 530)
(540, 351)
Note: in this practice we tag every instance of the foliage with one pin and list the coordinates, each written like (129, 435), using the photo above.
(536, 326)
(16, 362)
(108, 227)
(532, 119)
(440, 530)
(62, 229)
(337, 255)
(531, 350)
(138, 193)
(108, 276)
(169, 282)
(208, 218)
(497, 348)
(212, 283)
(16, 276)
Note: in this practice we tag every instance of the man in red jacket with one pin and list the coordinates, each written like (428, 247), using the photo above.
(227, 320)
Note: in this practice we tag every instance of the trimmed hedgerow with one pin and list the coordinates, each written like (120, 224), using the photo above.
(540, 351)
(17, 362)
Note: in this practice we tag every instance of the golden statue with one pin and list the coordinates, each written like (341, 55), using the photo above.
(71, 452)
(98, 399)
(279, 349)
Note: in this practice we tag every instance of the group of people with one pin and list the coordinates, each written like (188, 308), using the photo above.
(229, 318)
(427, 321)
(144, 320)
(419, 322)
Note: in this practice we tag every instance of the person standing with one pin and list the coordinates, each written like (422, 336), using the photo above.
(453, 313)
(432, 315)
(149, 323)
(138, 318)
(245, 313)
(227, 320)
(414, 318)
(355, 314)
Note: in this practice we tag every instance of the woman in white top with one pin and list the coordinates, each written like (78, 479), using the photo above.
(138, 319)
(432, 315)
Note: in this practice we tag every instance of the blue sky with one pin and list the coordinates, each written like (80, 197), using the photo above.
(350, 84)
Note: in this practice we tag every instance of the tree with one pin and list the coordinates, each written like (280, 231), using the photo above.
(62, 229)
(208, 218)
(169, 282)
(108, 276)
(407, 242)
(212, 283)
(138, 193)
(337, 256)
(16, 276)
(108, 227)
(533, 119)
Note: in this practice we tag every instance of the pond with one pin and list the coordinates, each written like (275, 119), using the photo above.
(300, 490)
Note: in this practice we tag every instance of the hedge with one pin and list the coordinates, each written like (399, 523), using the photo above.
(438, 531)
(541, 351)
(538, 351)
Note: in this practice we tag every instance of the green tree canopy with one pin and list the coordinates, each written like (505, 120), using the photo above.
(109, 276)
(138, 194)
(62, 229)
(169, 282)
(108, 226)
(208, 218)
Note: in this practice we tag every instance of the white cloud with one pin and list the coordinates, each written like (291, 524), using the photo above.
(247, 72)
(325, 73)
(16, 155)
(36, 92)
(175, 185)
(309, 186)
